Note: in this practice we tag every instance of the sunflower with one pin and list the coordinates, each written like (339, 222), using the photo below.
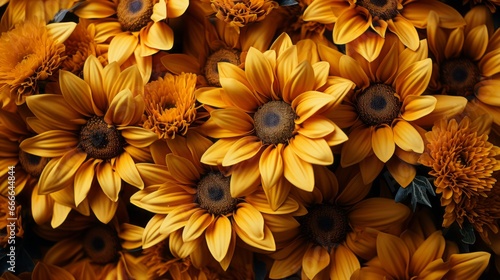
(463, 162)
(170, 105)
(386, 110)
(139, 29)
(340, 226)
(270, 118)
(365, 23)
(90, 133)
(413, 257)
(80, 45)
(23, 71)
(207, 44)
(241, 13)
(195, 210)
(104, 250)
(466, 59)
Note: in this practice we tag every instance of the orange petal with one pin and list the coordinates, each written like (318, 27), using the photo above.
(414, 79)
(357, 147)
(446, 107)
(178, 218)
(151, 234)
(196, 225)
(271, 165)
(353, 71)
(176, 8)
(315, 260)
(378, 213)
(407, 137)
(476, 42)
(76, 93)
(239, 94)
(122, 47)
(125, 167)
(182, 169)
(454, 44)
(309, 103)
(83, 180)
(50, 144)
(402, 172)
(490, 63)
(468, 265)
(159, 36)
(415, 107)
(487, 92)
(431, 249)
(59, 115)
(241, 150)
(297, 171)
(383, 142)
(368, 45)
(109, 180)
(405, 31)
(416, 13)
(350, 25)
(59, 172)
(218, 236)
(314, 151)
(103, 208)
(233, 119)
(394, 254)
(259, 72)
(299, 81)
(249, 220)
(344, 263)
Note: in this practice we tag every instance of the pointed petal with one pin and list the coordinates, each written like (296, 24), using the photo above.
(431, 249)
(315, 260)
(50, 144)
(314, 151)
(103, 208)
(233, 119)
(151, 235)
(476, 42)
(350, 25)
(178, 218)
(417, 12)
(125, 167)
(383, 143)
(218, 236)
(241, 95)
(378, 213)
(468, 265)
(415, 107)
(60, 172)
(394, 254)
(299, 81)
(196, 225)
(59, 115)
(446, 107)
(83, 180)
(241, 150)
(109, 180)
(357, 147)
(267, 243)
(402, 172)
(76, 93)
(176, 8)
(414, 79)
(299, 172)
(271, 165)
(159, 35)
(182, 169)
(405, 31)
(344, 262)
(351, 69)
(407, 137)
(309, 103)
(249, 220)
(259, 72)
(122, 47)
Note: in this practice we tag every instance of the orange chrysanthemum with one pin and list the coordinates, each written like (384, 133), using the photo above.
(364, 23)
(240, 13)
(462, 162)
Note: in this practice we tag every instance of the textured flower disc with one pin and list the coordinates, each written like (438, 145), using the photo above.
(214, 195)
(378, 105)
(325, 224)
(459, 76)
(101, 244)
(223, 55)
(134, 14)
(384, 9)
(100, 140)
(32, 164)
(274, 122)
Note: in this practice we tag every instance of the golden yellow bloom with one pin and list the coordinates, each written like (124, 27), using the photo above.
(240, 13)
(138, 30)
(462, 162)
(170, 105)
(413, 257)
(91, 134)
(195, 210)
(363, 24)
(339, 226)
(386, 112)
(28, 64)
(271, 121)
(466, 59)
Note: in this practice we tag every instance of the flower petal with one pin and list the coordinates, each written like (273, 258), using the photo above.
(55, 111)
(109, 180)
(300, 80)
(259, 72)
(415, 107)
(76, 93)
(309, 103)
(125, 167)
(50, 144)
(314, 151)
(405, 31)
(350, 25)
(249, 220)
(103, 208)
(476, 42)
(407, 137)
(59, 172)
(315, 259)
(196, 225)
(218, 236)
(138, 136)
(83, 180)
(178, 218)
(394, 254)
(357, 147)
(299, 172)
(158, 35)
(122, 47)
(241, 150)
(271, 165)
(414, 79)
(344, 262)
(383, 143)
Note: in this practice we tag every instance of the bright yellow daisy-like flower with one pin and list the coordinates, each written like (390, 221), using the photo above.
(195, 210)
(466, 59)
(137, 28)
(363, 24)
(23, 71)
(463, 162)
(387, 109)
(91, 134)
(271, 121)
(413, 257)
(170, 105)
(340, 226)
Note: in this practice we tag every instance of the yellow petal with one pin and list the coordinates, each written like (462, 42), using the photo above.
(138, 136)
(369, 45)
(178, 63)
(151, 235)
(354, 191)
(300, 80)
(316, 127)
(315, 260)
(405, 31)
(245, 177)
(446, 107)
(178, 218)
(131, 236)
(83, 180)
(176, 8)
(182, 169)
(394, 254)
(278, 194)
(454, 44)
(414, 79)
(299, 172)
(402, 172)
(314, 151)
(58, 115)
(121, 47)
(259, 72)
(159, 11)
(59, 214)
(97, 9)
(407, 137)
(59, 172)
(233, 119)
(285, 267)
(351, 69)
(182, 249)
(50, 144)
(490, 62)
(323, 11)
(468, 265)
(271, 165)
(239, 94)
(370, 168)
(249, 220)
(125, 167)
(93, 76)
(215, 154)
(415, 107)
(60, 31)
(196, 225)
(310, 103)
(76, 93)
(109, 180)
(286, 63)
(431, 249)
(103, 208)
(357, 147)
(344, 263)
(159, 35)
(218, 236)
(242, 149)
(121, 110)
(476, 42)
(267, 243)
(378, 213)
(383, 143)
(350, 25)
(487, 92)
(417, 12)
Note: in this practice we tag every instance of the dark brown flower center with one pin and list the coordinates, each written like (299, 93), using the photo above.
(378, 105)
(214, 195)
(384, 9)
(459, 76)
(134, 14)
(211, 69)
(101, 244)
(100, 140)
(274, 122)
(325, 224)
(33, 165)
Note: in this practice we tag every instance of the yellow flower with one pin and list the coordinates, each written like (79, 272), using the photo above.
(466, 59)
(462, 161)
(138, 30)
(363, 24)
(195, 210)
(28, 64)
(412, 257)
(100, 250)
(387, 109)
(240, 13)
(339, 226)
(270, 119)
(207, 44)
(170, 105)
(90, 133)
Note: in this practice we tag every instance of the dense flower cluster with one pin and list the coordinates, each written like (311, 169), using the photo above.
(254, 139)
